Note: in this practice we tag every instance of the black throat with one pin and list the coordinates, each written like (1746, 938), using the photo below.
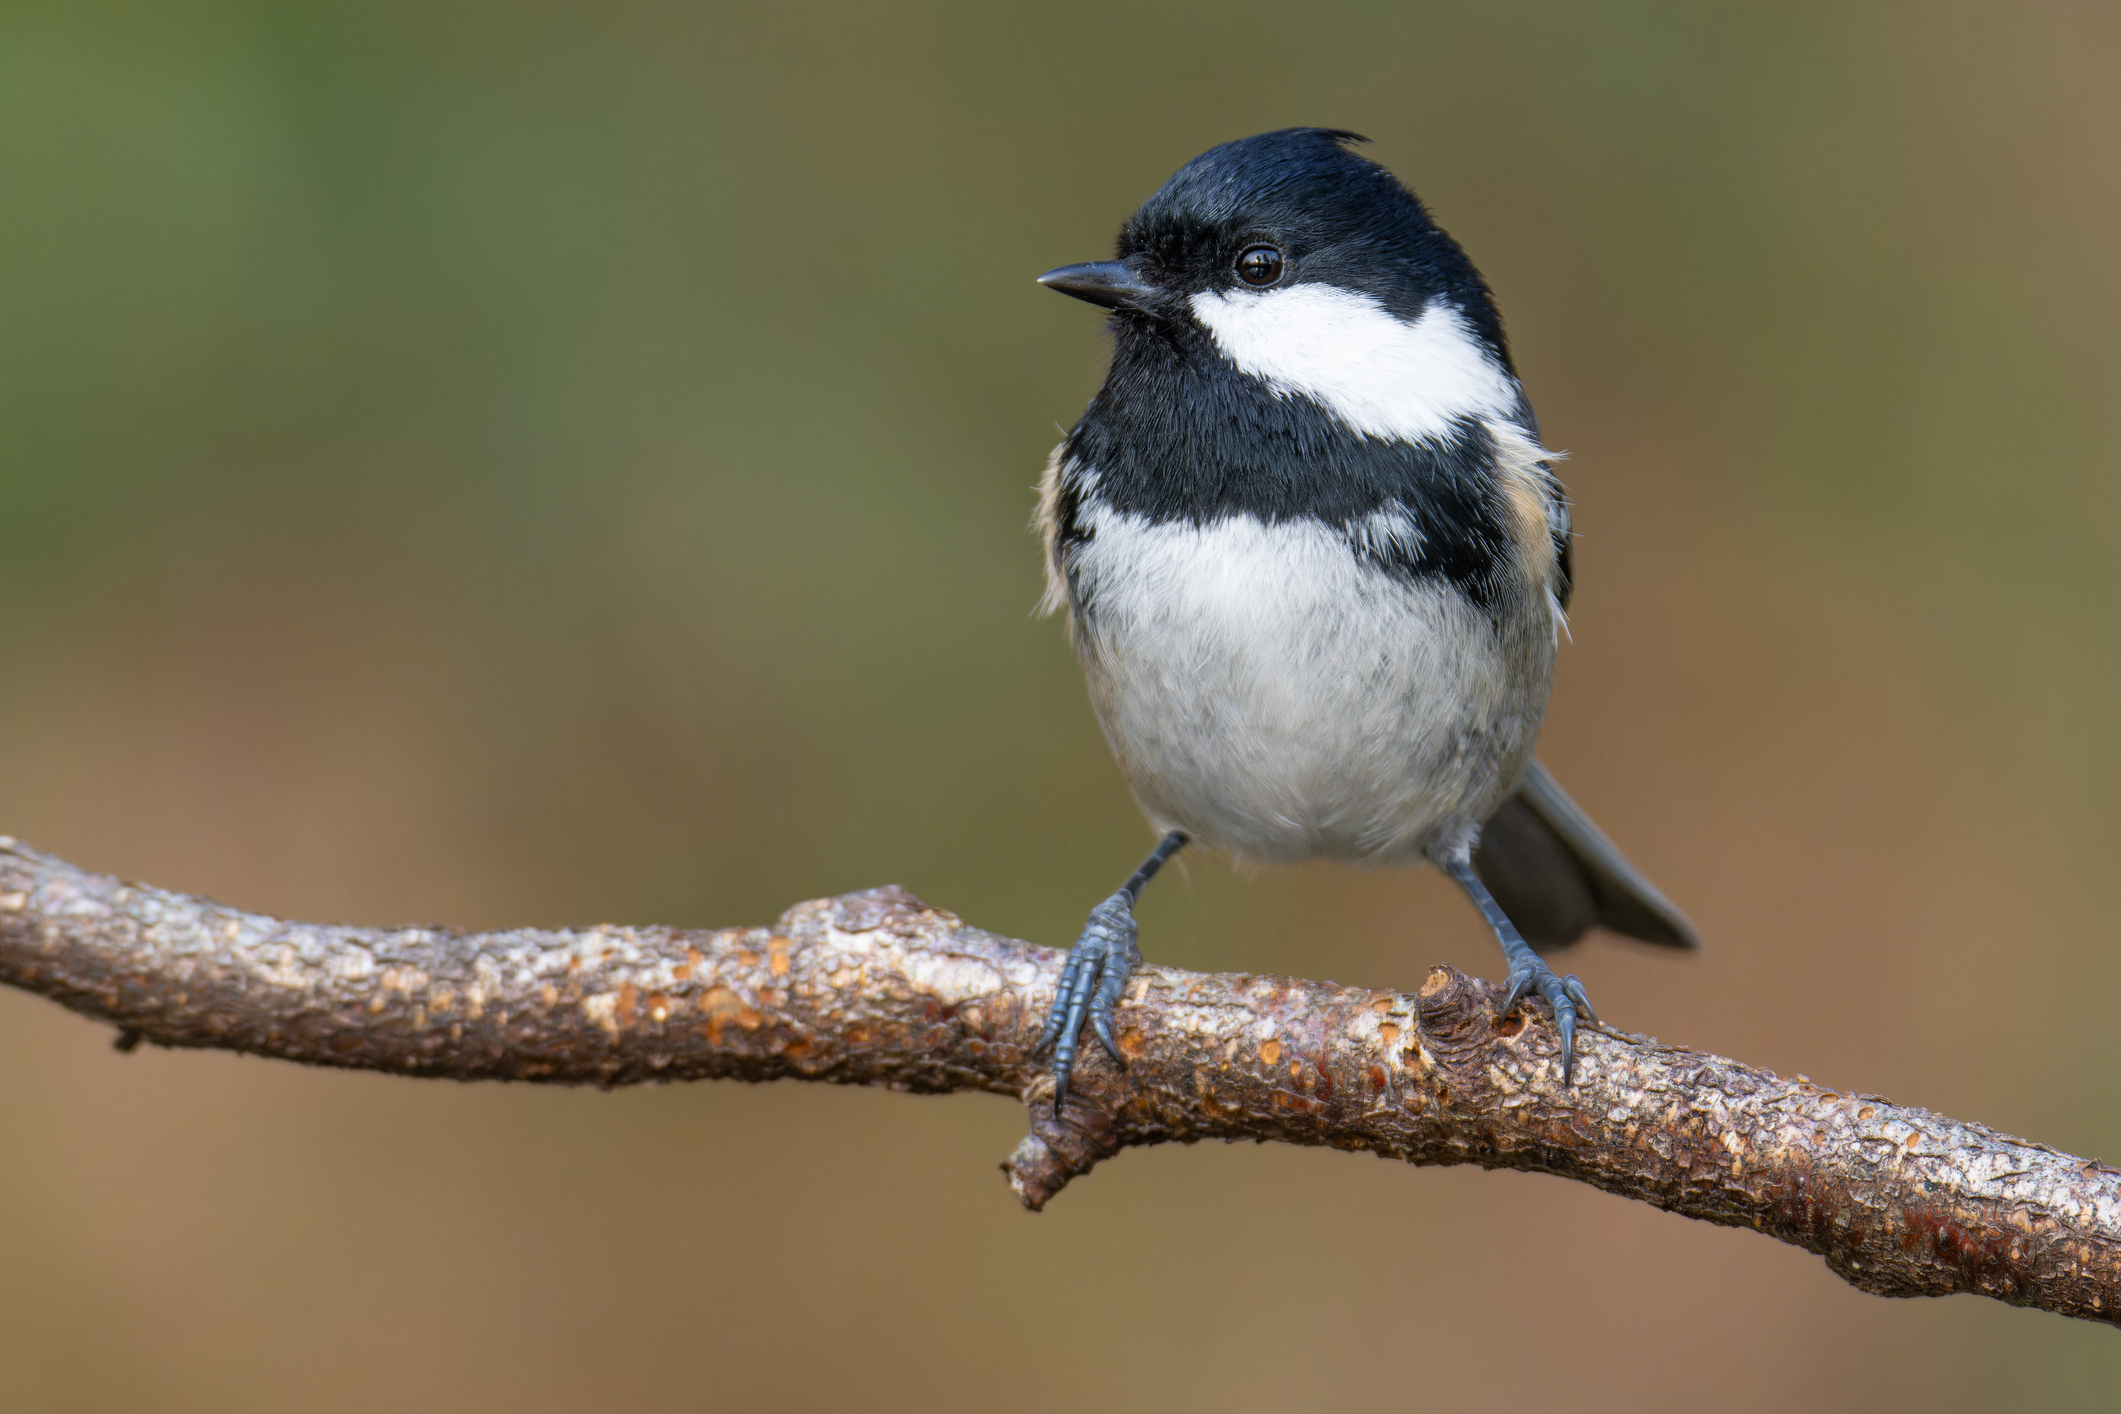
(1178, 433)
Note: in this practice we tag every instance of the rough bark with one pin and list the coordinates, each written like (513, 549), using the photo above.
(878, 988)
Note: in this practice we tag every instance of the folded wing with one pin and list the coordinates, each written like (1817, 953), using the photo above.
(1558, 876)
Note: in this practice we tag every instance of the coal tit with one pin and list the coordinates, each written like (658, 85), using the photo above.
(1315, 563)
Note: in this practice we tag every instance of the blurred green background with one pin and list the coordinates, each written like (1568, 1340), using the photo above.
(553, 462)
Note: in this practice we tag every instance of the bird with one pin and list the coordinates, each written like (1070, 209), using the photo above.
(1316, 564)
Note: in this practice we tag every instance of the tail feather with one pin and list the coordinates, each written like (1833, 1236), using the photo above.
(1558, 876)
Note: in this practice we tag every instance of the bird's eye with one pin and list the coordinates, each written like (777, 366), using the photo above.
(1259, 265)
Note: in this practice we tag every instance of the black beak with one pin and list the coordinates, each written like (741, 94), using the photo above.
(1105, 282)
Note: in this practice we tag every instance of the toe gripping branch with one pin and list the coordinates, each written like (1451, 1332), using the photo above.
(1090, 986)
(1565, 994)
(1528, 970)
(1098, 967)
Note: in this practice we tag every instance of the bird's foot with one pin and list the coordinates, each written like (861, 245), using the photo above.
(1529, 973)
(1099, 964)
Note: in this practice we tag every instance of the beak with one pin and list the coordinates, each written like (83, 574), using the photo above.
(1103, 282)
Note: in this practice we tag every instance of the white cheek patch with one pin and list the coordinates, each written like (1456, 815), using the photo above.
(1343, 350)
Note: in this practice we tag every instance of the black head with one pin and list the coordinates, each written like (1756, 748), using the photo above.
(1284, 208)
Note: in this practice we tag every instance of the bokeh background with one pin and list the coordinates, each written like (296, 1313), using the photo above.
(551, 462)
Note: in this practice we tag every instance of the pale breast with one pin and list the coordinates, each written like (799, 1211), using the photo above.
(1273, 694)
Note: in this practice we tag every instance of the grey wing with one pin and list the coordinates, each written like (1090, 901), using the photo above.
(1557, 876)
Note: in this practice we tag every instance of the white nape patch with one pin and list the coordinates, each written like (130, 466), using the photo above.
(1345, 351)
(1387, 534)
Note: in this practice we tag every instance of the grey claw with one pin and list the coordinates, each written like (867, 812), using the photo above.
(1573, 985)
(1103, 1030)
(1565, 1023)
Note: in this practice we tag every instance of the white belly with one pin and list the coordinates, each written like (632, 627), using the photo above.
(1270, 694)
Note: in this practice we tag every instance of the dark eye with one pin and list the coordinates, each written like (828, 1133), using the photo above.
(1259, 265)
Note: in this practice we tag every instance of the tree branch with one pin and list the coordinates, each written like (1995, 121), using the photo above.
(877, 988)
